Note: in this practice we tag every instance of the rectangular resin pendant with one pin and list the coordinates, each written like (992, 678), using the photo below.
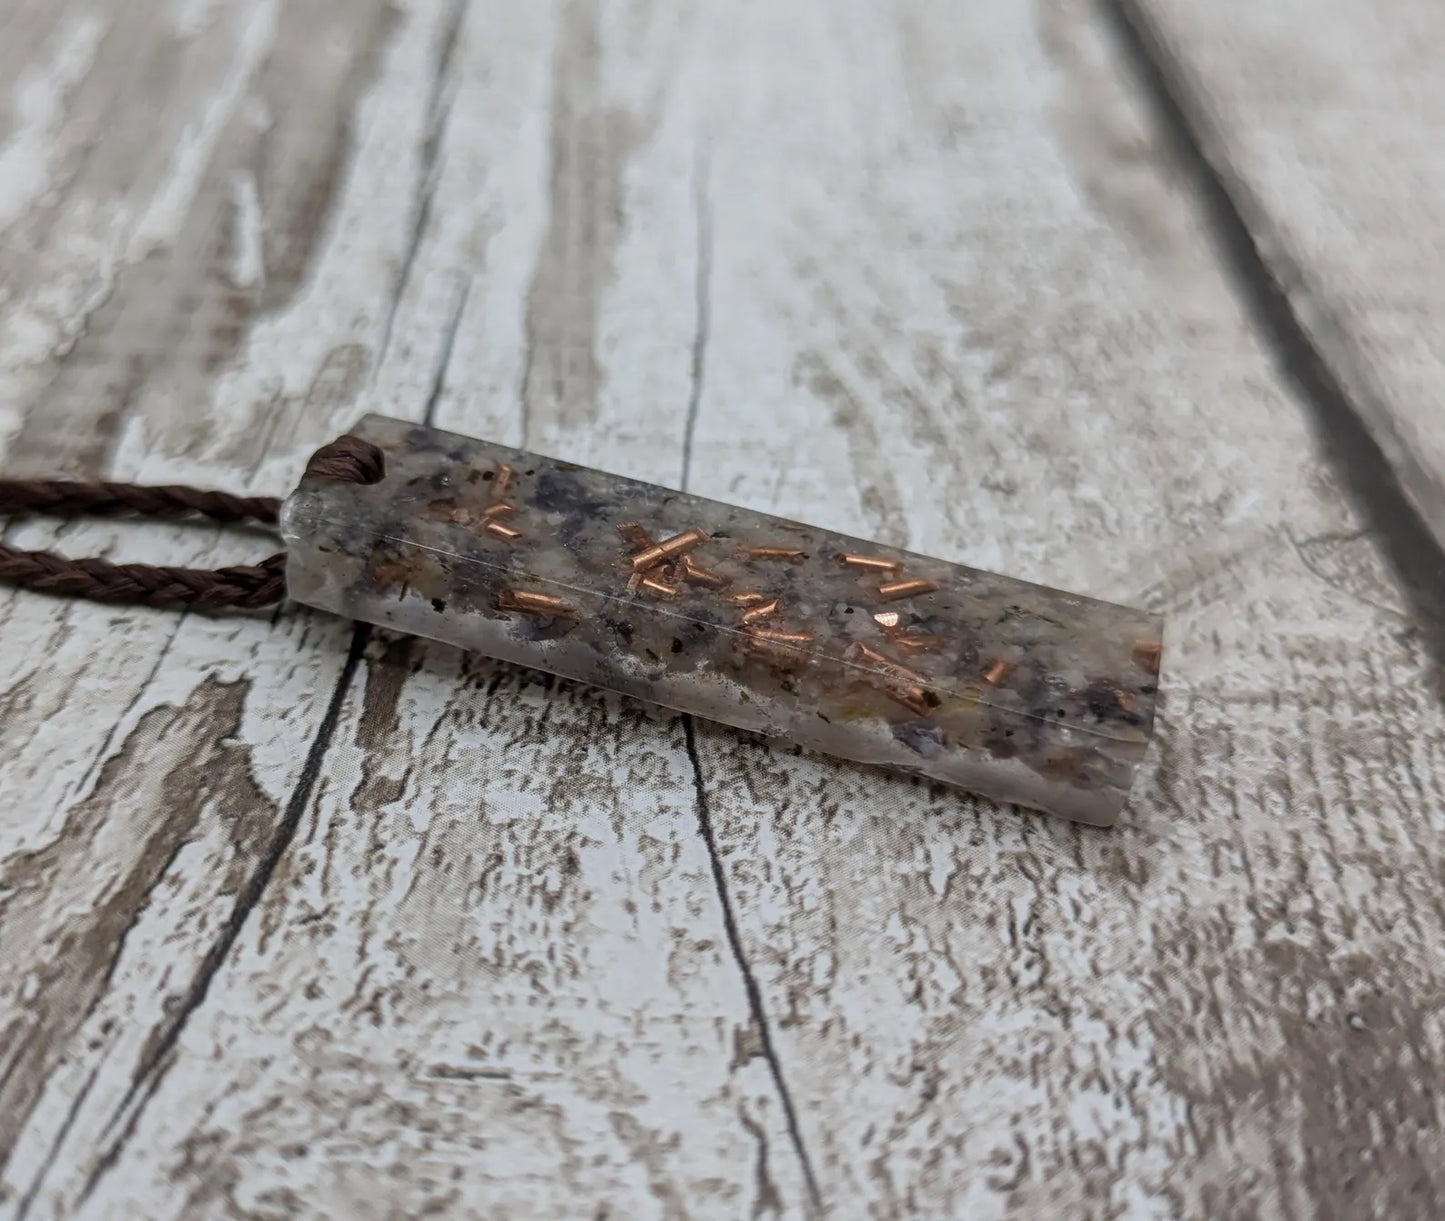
(1016, 691)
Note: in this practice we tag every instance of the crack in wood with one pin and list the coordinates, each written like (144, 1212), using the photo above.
(151, 1070)
(767, 1192)
(444, 358)
(750, 982)
(438, 115)
(23, 1205)
(702, 298)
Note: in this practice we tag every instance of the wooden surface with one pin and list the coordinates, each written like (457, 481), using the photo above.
(301, 919)
(1323, 122)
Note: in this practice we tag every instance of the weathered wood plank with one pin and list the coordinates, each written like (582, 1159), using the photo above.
(974, 314)
(156, 784)
(1322, 122)
(142, 788)
(534, 951)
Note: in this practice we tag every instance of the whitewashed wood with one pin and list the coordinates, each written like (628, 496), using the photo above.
(127, 843)
(145, 757)
(989, 280)
(1323, 122)
(921, 277)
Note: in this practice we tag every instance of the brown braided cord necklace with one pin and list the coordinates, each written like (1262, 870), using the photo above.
(348, 459)
(838, 644)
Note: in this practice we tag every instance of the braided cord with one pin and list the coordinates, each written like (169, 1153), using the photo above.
(246, 586)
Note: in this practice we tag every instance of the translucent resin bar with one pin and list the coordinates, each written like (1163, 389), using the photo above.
(1012, 690)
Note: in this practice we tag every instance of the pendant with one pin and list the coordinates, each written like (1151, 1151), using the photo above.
(1015, 691)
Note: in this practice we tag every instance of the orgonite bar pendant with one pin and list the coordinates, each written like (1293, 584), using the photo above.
(1012, 690)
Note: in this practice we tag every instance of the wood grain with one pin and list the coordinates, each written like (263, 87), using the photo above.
(1163, 1021)
(1321, 123)
(662, 1098)
(301, 920)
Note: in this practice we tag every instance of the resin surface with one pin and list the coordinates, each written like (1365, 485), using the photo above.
(1013, 690)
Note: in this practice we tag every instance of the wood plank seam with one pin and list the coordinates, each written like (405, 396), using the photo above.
(1330, 394)
(151, 1071)
(449, 343)
(438, 114)
(739, 954)
(702, 202)
(702, 296)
